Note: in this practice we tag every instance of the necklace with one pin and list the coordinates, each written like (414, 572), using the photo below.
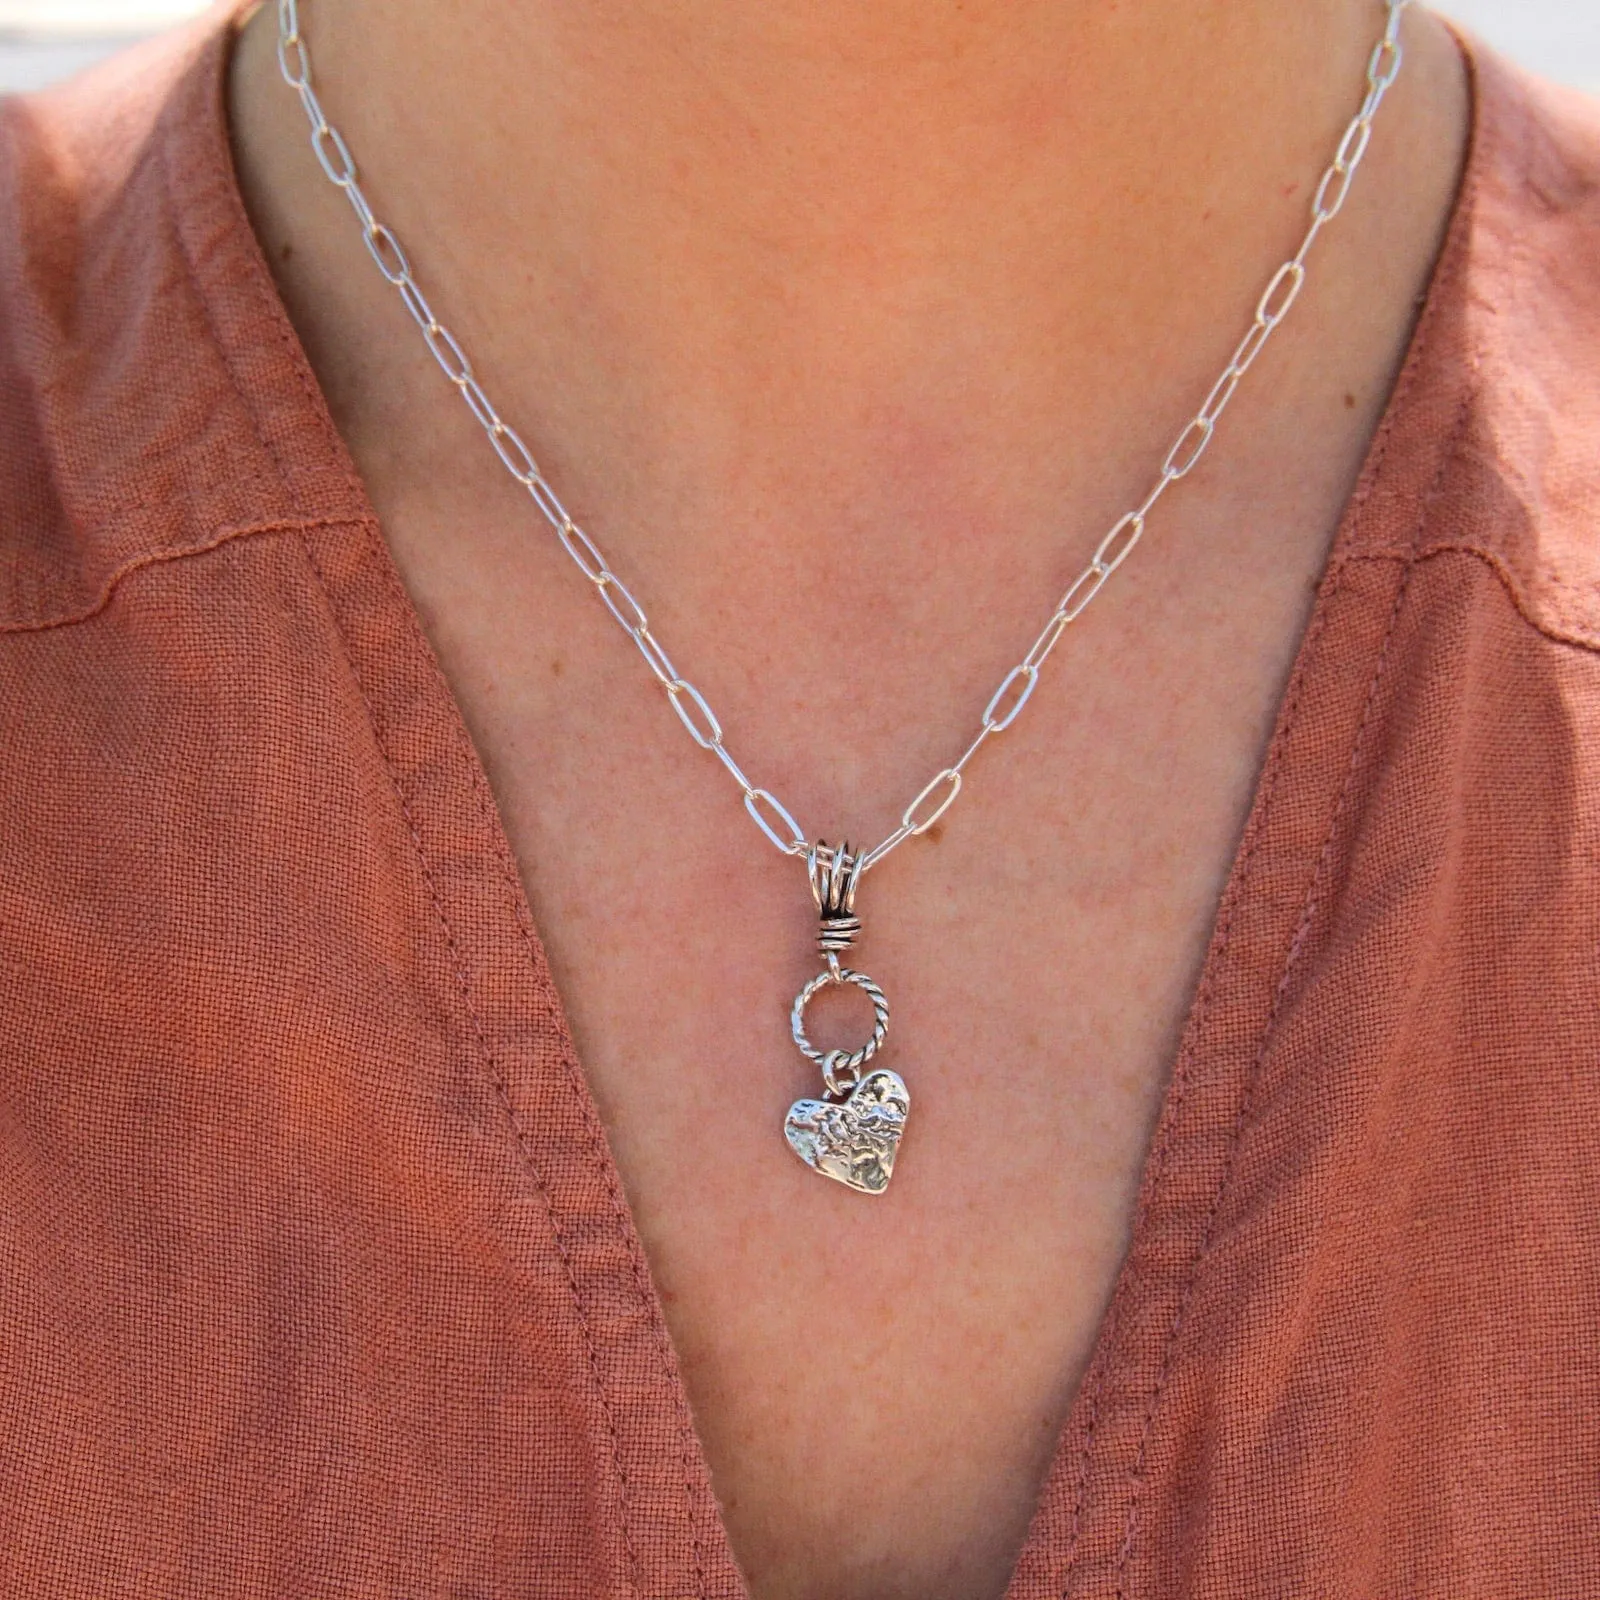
(853, 1133)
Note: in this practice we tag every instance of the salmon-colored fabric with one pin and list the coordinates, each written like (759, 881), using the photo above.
(315, 1275)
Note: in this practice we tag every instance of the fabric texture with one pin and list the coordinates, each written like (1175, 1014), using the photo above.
(316, 1278)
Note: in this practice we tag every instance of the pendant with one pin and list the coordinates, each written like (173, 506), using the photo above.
(852, 1135)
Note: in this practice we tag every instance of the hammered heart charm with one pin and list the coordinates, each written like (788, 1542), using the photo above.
(853, 1140)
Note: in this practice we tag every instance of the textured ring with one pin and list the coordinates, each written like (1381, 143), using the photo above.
(856, 1059)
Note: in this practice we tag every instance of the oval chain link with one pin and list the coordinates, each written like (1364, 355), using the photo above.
(765, 809)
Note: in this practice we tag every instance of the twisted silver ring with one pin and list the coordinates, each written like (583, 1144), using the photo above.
(837, 1064)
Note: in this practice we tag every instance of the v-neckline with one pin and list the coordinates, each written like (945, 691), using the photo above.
(669, 1535)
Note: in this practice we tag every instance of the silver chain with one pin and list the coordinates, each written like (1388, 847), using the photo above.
(769, 813)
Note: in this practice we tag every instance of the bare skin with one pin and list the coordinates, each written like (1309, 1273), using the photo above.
(847, 328)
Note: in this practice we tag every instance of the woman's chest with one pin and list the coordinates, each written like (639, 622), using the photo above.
(879, 1382)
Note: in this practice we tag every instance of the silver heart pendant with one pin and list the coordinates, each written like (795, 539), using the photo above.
(853, 1140)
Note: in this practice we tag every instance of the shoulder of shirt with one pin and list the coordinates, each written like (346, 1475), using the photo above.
(1489, 449)
(153, 399)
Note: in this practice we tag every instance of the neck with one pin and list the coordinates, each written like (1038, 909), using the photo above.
(835, 217)
(883, 147)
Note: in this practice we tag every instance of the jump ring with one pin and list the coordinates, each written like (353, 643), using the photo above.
(837, 1060)
(838, 1074)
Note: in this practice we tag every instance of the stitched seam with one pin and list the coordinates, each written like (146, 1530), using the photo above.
(491, 1063)
(1075, 1525)
(1184, 1071)
(462, 978)
(1184, 1068)
(599, 1152)
(1246, 1099)
(1296, 945)
(149, 558)
(502, 1087)
(1509, 581)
